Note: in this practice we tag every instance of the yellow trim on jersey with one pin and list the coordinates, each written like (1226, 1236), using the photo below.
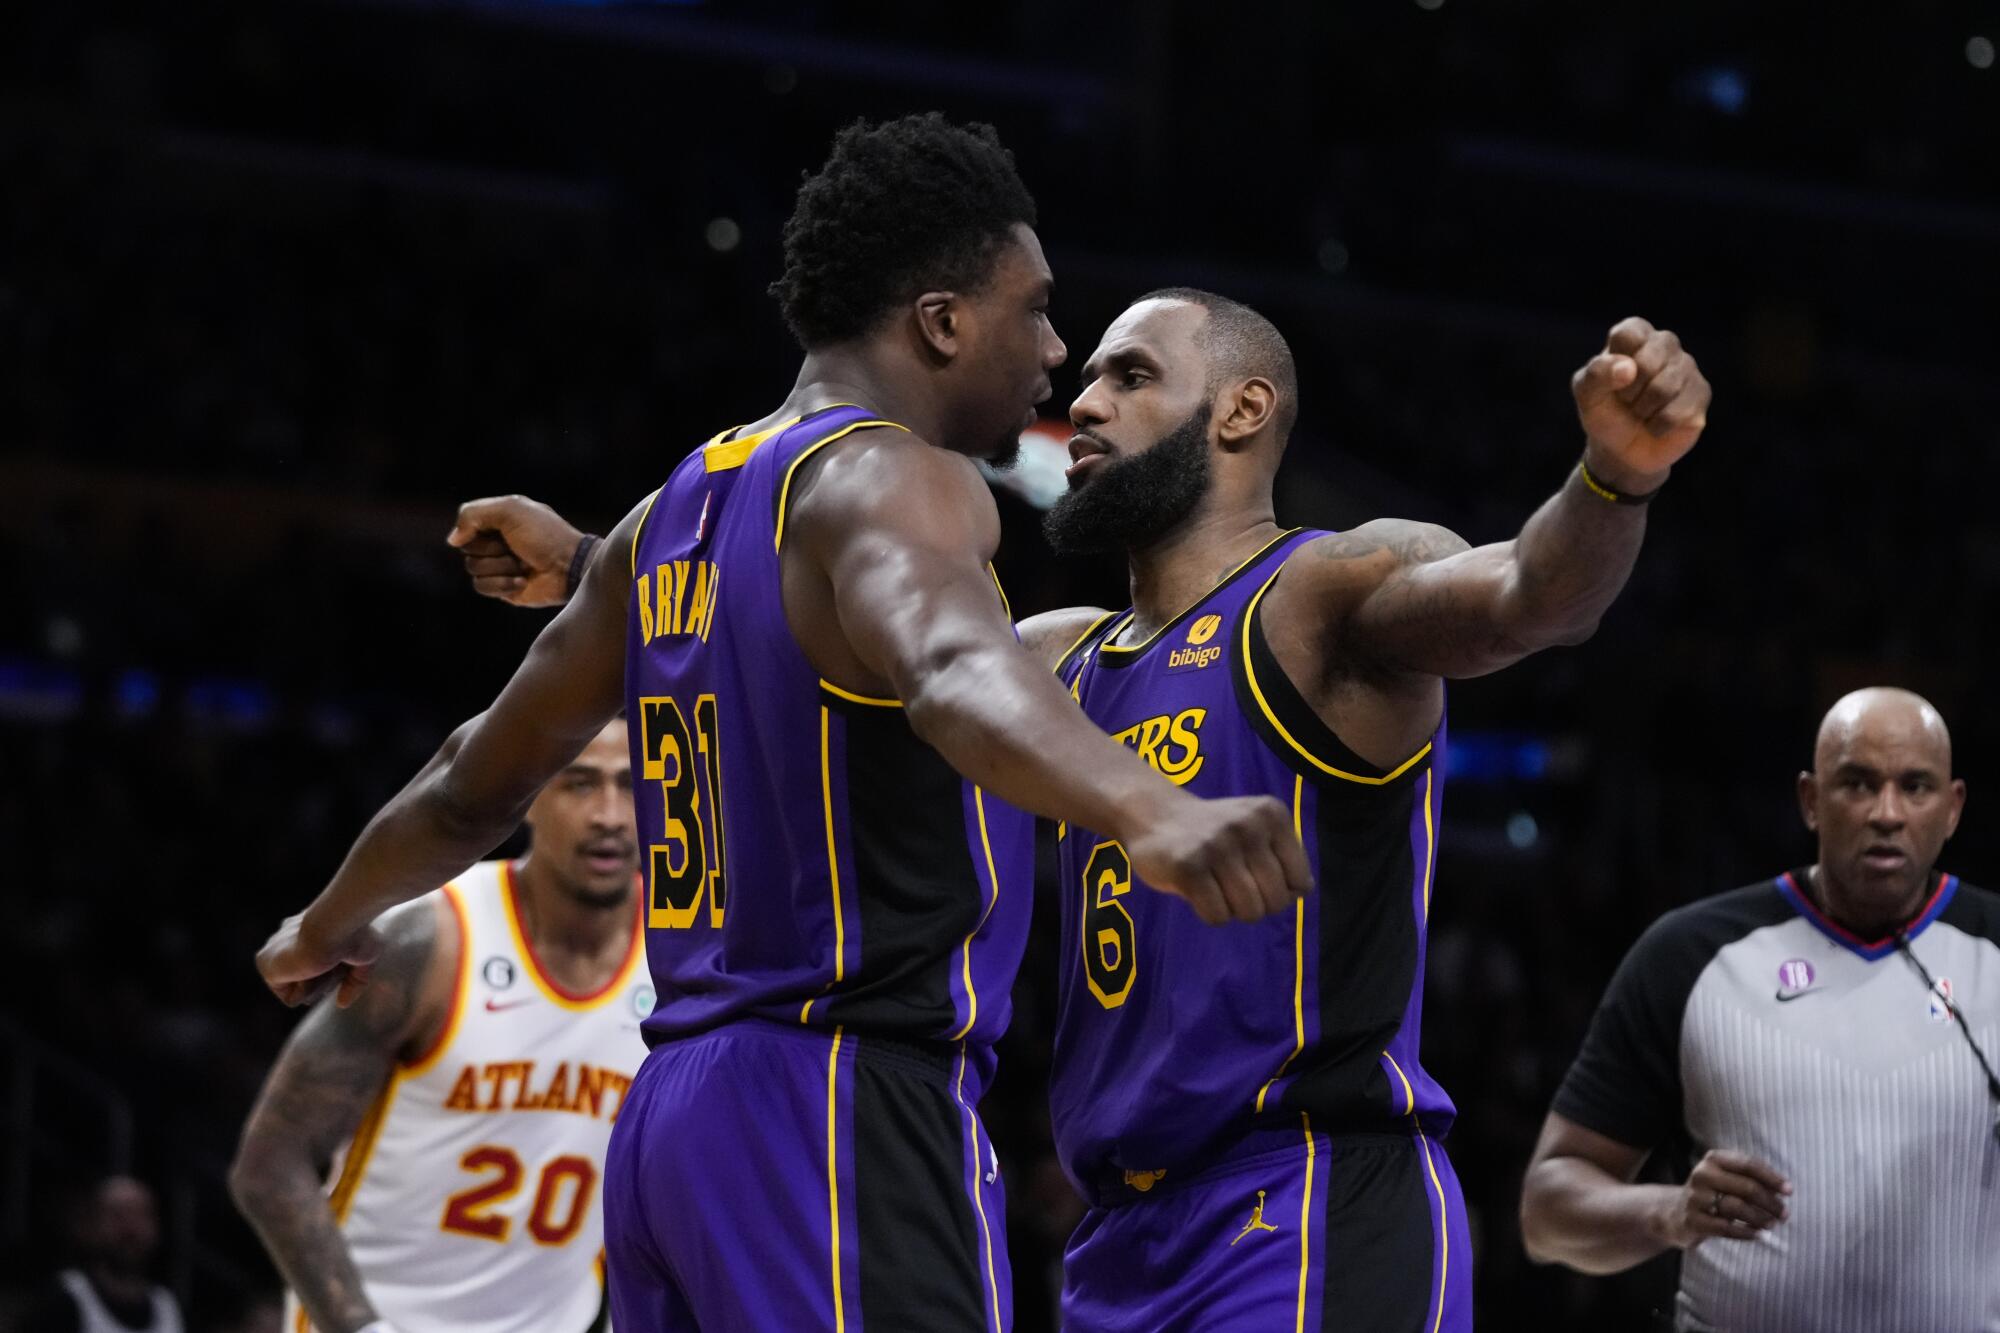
(1076, 690)
(1250, 675)
(832, 864)
(833, 1175)
(993, 878)
(1444, 1229)
(552, 991)
(1064, 655)
(717, 456)
(461, 985)
(639, 531)
(1305, 1224)
(785, 490)
(355, 1165)
(1005, 605)
(854, 698)
(1298, 958)
(1430, 842)
(978, 1202)
(1173, 620)
(1409, 1096)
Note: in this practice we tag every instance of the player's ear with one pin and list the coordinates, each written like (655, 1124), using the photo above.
(938, 317)
(1808, 799)
(1246, 408)
(1957, 806)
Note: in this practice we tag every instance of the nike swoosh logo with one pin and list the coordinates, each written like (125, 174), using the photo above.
(493, 1008)
(1783, 996)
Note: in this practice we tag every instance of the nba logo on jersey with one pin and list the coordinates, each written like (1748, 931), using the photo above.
(1940, 1001)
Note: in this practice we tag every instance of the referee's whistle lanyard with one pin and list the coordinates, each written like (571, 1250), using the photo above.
(1958, 1017)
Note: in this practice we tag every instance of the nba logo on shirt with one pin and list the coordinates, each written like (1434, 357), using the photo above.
(1940, 1001)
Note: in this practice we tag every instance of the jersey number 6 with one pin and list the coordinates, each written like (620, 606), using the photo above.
(1108, 964)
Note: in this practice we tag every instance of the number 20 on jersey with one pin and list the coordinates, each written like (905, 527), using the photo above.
(686, 866)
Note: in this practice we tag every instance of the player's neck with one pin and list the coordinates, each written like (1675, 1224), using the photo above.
(560, 923)
(1182, 567)
(1855, 914)
(858, 373)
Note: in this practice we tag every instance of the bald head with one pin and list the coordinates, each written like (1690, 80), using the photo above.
(1882, 715)
(1883, 801)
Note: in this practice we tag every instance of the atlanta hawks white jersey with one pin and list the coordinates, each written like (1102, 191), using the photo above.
(470, 1194)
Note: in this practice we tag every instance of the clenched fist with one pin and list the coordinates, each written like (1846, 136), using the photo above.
(516, 549)
(1643, 403)
(1232, 858)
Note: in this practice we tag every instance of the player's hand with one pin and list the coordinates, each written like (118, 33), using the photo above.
(516, 549)
(1643, 403)
(1728, 1194)
(299, 969)
(1233, 859)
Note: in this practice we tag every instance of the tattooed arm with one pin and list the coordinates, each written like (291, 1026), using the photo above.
(336, 1063)
(1411, 599)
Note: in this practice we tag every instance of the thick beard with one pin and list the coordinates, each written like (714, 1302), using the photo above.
(1132, 502)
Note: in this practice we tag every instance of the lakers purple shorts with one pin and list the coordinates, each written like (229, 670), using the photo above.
(764, 1177)
(1362, 1233)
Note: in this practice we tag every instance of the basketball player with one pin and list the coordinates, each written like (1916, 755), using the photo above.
(473, 1085)
(805, 628)
(1244, 1108)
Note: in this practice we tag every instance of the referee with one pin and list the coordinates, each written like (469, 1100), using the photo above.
(1822, 1042)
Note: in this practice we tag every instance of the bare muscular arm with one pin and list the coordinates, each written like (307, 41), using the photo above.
(518, 550)
(336, 1063)
(1412, 599)
(473, 793)
(895, 536)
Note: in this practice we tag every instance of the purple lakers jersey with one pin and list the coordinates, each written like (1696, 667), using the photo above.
(807, 858)
(1174, 1038)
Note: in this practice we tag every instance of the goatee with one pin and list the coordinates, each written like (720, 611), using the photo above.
(1132, 502)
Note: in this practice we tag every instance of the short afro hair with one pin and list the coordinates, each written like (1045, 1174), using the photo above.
(901, 208)
(1240, 343)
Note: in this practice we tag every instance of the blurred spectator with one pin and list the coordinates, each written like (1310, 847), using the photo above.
(115, 1233)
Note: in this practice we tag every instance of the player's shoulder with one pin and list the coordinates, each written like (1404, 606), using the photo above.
(482, 879)
(866, 456)
(1055, 636)
(884, 483)
(1389, 541)
(433, 925)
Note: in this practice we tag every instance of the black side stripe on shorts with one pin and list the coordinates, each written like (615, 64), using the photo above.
(1378, 1244)
(921, 1260)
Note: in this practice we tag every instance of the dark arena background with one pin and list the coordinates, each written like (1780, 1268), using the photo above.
(279, 286)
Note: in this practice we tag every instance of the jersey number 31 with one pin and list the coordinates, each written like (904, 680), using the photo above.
(687, 864)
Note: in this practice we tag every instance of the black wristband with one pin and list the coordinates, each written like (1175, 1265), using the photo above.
(1603, 492)
(580, 561)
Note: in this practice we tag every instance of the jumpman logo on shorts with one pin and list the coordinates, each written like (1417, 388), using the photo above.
(1256, 1222)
